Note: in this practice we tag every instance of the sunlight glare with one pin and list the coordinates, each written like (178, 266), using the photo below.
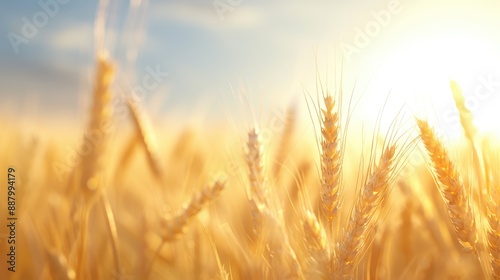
(418, 74)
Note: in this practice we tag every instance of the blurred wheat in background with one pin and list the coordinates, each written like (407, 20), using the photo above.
(143, 201)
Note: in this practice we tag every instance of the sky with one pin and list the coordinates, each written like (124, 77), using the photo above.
(212, 52)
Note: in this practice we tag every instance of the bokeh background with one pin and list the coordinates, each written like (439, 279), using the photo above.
(271, 50)
(203, 75)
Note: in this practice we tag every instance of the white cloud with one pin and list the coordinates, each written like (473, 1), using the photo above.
(72, 38)
(205, 15)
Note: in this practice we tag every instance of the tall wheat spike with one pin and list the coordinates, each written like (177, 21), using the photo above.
(359, 232)
(92, 164)
(493, 216)
(493, 235)
(330, 161)
(466, 119)
(255, 168)
(451, 188)
(100, 118)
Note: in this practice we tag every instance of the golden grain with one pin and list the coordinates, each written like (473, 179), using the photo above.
(451, 188)
(175, 227)
(359, 231)
(147, 138)
(92, 164)
(330, 161)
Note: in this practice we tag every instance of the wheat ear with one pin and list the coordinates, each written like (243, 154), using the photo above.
(258, 194)
(493, 236)
(176, 226)
(451, 188)
(147, 138)
(92, 163)
(256, 210)
(255, 168)
(356, 238)
(101, 114)
(330, 161)
(259, 203)
(466, 119)
(493, 208)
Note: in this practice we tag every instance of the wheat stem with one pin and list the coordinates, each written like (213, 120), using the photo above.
(111, 227)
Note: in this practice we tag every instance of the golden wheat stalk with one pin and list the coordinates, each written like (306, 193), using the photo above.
(256, 210)
(493, 236)
(258, 193)
(266, 225)
(82, 241)
(493, 213)
(111, 228)
(93, 165)
(467, 121)
(256, 169)
(176, 226)
(486, 153)
(359, 232)
(451, 188)
(466, 117)
(147, 138)
(330, 161)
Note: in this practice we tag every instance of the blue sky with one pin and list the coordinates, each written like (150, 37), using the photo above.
(256, 43)
(267, 47)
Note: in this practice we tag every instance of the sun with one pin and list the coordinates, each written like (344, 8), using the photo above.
(418, 74)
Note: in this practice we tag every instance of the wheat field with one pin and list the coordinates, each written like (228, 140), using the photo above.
(126, 196)
(205, 203)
